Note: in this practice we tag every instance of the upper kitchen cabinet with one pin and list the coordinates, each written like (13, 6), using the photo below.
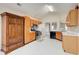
(78, 16)
(35, 21)
(72, 18)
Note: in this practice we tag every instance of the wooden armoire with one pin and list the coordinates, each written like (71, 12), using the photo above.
(12, 32)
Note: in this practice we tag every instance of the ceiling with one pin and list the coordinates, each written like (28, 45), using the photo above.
(38, 10)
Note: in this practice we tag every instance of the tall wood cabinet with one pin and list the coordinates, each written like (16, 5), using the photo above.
(29, 35)
(12, 32)
(72, 18)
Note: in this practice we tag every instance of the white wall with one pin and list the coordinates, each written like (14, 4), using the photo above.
(51, 18)
(55, 17)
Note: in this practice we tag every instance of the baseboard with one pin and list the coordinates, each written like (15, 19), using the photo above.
(30, 42)
(59, 39)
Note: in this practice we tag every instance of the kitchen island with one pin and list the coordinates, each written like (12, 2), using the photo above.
(70, 42)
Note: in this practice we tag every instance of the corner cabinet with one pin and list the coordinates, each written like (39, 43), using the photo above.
(12, 32)
(72, 18)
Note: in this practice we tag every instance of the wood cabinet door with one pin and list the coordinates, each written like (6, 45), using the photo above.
(70, 44)
(78, 44)
(27, 38)
(58, 35)
(78, 17)
(68, 20)
(72, 18)
(15, 31)
(32, 36)
(15, 37)
(27, 30)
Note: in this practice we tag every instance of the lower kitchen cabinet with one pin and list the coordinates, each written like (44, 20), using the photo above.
(59, 36)
(71, 44)
(30, 37)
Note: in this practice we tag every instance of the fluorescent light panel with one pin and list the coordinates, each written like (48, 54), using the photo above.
(51, 8)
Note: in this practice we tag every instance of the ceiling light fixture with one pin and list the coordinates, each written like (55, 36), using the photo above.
(18, 4)
(51, 8)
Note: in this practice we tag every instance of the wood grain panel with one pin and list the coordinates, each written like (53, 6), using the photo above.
(13, 29)
(70, 44)
(72, 18)
(58, 35)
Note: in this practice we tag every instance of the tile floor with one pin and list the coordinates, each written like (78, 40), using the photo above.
(44, 47)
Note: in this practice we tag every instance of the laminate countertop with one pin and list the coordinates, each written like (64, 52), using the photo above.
(71, 33)
(57, 31)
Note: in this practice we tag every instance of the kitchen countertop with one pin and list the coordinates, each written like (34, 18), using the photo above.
(57, 31)
(71, 33)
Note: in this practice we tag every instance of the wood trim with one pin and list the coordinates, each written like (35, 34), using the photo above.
(30, 42)
(24, 31)
(11, 15)
(10, 50)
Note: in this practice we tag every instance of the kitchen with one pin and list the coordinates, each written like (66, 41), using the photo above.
(59, 23)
